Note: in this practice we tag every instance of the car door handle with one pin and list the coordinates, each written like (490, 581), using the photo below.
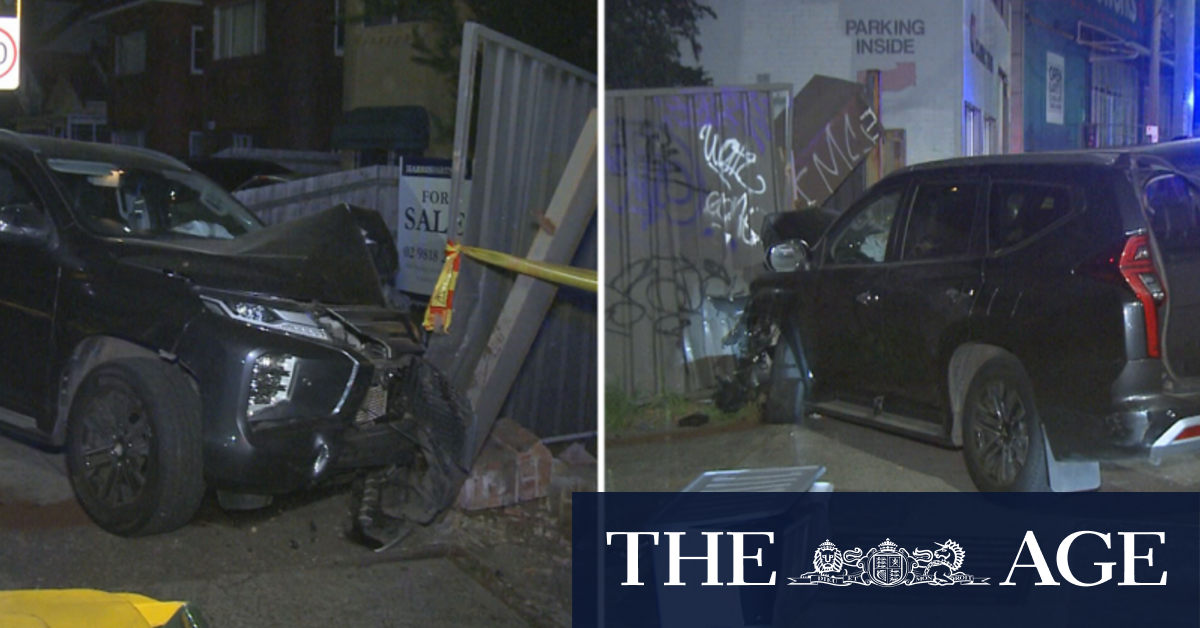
(867, 298)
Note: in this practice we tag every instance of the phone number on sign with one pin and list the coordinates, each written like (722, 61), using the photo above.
(421, 254)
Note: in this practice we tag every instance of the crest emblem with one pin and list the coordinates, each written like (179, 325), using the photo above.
(889, 565)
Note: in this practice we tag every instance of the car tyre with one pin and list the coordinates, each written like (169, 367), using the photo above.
(1003, 442)
(786, 387)
(134, 447)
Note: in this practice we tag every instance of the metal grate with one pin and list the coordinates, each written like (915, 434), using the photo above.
(423, 393)
(779, 480)
(374, 406)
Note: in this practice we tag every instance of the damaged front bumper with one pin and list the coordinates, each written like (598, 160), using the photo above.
(751, 339)
(283, 411)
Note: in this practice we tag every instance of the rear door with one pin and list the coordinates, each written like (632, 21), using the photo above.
(1172, 208)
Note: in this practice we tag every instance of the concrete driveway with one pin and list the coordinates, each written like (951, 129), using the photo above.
(856, 459)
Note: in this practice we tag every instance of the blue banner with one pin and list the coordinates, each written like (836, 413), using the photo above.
(886, 559)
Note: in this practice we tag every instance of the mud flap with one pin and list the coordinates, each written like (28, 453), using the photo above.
(437, 418)
(1070, 477)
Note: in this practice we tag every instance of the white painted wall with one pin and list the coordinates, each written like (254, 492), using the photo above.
(982, 87)
(792, 40)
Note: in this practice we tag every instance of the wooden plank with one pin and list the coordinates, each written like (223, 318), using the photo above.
(570, 210)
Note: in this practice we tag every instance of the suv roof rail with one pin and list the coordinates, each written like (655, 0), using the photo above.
(156, 154)
(19, 137)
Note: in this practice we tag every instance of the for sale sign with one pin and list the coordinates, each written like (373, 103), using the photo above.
(424, 224)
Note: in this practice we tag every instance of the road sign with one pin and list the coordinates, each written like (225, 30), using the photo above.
(10, 45)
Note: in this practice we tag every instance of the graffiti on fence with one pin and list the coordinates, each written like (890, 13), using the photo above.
(691, 177)
(666, 160)
(658, 174)
(666, 293)
(834, 128)
(832, 154)
(729, 209)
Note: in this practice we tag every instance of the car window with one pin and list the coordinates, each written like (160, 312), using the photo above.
(940, 222)
(1171, 206)
(155, 204)
(1019, 211)
(865, 239)
(15, 189)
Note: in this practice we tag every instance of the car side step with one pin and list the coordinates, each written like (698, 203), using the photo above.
(22, 426)
(907, 426)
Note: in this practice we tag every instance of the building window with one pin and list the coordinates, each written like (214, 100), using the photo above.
(402, 13)
(197, 50)
(131, 53)
(1115, 111)
(129, 138)
(195, 144)
(239, 29)
(339, 28)
(972, 130)
(991, 136)
(243, 140)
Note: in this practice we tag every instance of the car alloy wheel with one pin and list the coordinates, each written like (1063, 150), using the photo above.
(134, 447)
(1001, 432)
(1003, 445)
(116, 437)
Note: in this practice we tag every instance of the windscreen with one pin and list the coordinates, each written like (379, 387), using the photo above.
(153, 204)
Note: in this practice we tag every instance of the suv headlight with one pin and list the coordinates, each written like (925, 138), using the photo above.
(260, 315)
(270, 381)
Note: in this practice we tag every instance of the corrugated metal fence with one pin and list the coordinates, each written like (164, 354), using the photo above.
(690, 176)
(520, 113)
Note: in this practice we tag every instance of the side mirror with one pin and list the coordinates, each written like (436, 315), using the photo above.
(789, 256)
(23, 223)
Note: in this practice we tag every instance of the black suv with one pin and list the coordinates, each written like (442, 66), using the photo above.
(1041, 311)
(156, 329)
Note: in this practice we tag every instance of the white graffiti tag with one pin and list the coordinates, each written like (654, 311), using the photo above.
(731, 214)
(730, 210)
(729, 159)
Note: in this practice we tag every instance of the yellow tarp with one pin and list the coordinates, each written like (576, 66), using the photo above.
(82, 608)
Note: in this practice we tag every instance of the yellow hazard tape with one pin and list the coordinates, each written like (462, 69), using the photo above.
(441, 302)
(556, 273)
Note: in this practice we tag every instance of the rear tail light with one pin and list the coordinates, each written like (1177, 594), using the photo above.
(1137, 267)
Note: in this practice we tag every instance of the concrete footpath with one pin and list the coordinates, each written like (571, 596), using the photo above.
(856, 458)
(288, 565)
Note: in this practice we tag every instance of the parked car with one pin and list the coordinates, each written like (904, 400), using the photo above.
(169, 341)
(1041, 311)
(242, 173)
